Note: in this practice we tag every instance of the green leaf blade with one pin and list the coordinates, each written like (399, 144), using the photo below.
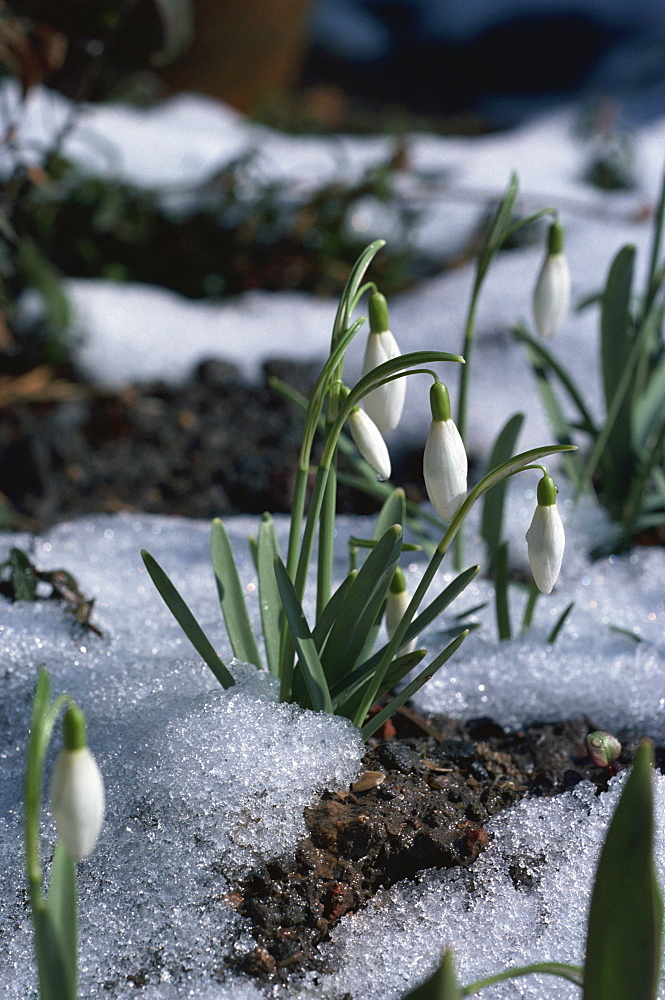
(269, 600)
(188, 623)
(624, 935)
(232, 597)
(310, 663)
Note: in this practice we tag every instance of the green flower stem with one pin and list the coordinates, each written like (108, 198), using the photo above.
(326, 542)
(573, 973)
(43, 721)
(509, 468)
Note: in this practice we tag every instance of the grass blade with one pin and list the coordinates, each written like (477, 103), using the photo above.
(377, 720)
(269, 600)
(186, 620)
(442, 985)
(232, 597)
(310, 664)
(624, 935)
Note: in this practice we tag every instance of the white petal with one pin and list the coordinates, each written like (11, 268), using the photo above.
(77, 801)
(551, 296)
(369, 442)
(384, 404)
(395, 607)
(545, 543)
(445, 468)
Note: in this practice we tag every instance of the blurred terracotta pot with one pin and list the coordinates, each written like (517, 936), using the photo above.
(243, 50)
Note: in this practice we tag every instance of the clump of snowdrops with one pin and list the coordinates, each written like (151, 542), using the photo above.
(624, 462)
(331, 663)
(623, 951)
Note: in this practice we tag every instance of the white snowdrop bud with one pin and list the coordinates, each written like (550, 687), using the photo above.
(551, 295)
(385, 403)
(445, 463)
(369, 442)
(545, 538)
(396, 604)
(77, 789)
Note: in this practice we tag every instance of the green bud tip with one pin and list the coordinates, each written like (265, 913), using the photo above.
(547, 491)
(603, 748)
(378, 313)
(73, 729)
(439, 401)
(398, 583)
(555, 239)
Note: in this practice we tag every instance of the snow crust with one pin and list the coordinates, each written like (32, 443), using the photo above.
(204, 784)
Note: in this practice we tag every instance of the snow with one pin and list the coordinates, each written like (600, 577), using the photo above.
(204, 784)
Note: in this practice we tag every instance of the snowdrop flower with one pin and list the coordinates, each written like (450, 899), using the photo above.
(551, 295)
(369, 442)
(77, 789)
(397, 603)
(444, 463)
(385, 403)
(545, 538)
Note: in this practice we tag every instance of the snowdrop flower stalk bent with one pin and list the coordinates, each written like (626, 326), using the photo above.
(385, 403)
(545, 538)
(551, 295)
(445, 463)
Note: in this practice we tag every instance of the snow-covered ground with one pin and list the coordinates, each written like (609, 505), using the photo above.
(203, 783)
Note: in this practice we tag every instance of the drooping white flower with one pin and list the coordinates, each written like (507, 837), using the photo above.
(397, 602)
(77, 790)
(551, 294)
(445, 464)
(369, 442)
(546, 538)
(385, 403)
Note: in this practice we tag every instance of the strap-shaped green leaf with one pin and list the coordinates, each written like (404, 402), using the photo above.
(491, 525)
(267, 548)
(392, 512)
(649, 410)
(432, 611)
(360, 607)
(344, 696)
(501, 598)
(53, 967)
(442, 985)
(616, 339)
(186, 620)
(62, 906)
(560, 622)
(310, 664)
(624, 934)
(232, 596)
(377, 720)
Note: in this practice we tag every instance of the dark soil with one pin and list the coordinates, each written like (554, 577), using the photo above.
(421, 802)
(213, 446)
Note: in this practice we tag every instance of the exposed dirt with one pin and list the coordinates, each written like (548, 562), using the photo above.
(212, 446)
(421, 802)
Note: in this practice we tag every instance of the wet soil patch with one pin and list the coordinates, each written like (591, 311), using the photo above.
(213, 446)
(421, 802)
